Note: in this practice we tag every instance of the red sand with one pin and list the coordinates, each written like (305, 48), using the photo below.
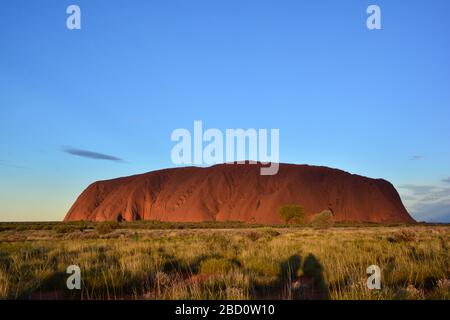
(237, 192)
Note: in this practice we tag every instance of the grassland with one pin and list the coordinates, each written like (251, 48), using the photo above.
(153, 260)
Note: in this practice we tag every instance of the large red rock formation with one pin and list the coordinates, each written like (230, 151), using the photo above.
(237, 192)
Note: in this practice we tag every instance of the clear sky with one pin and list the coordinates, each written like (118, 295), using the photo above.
(375, 103)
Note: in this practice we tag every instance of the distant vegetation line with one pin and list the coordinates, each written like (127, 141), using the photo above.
(153, 225)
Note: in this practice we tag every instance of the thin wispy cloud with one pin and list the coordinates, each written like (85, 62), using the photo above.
(417, 157)
(90, 154)
(418, 189)
(446, 180)
(5, 163)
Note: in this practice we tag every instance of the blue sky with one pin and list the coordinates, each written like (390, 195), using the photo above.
(375, 103)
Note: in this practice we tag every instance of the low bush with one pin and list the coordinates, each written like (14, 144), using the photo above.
(253, 235)
(322, 220)
(106, 227)
(404, 235)
(269, 232)
(292, 214)
(215, 266)
(63, 228)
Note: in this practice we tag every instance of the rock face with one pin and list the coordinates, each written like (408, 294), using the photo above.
(237, 192)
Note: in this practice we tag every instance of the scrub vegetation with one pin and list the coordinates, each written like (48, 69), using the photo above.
(154, 260)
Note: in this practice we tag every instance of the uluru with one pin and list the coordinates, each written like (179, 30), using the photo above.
(237, 192)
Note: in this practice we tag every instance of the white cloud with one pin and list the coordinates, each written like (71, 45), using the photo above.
(428, 203)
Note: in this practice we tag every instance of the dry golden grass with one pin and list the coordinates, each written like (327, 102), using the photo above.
(239, 263)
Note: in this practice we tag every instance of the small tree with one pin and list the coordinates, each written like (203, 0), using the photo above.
(323, 220)
(292, 213)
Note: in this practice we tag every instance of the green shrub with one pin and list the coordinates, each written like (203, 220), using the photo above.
(216, 266)
(253, 235)
(292, 214)
(106, 227)
(270, 233)
(4, 228)
(21, 228)
(403, 235)
(63, 228)
(322, 220)
(261, 266)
